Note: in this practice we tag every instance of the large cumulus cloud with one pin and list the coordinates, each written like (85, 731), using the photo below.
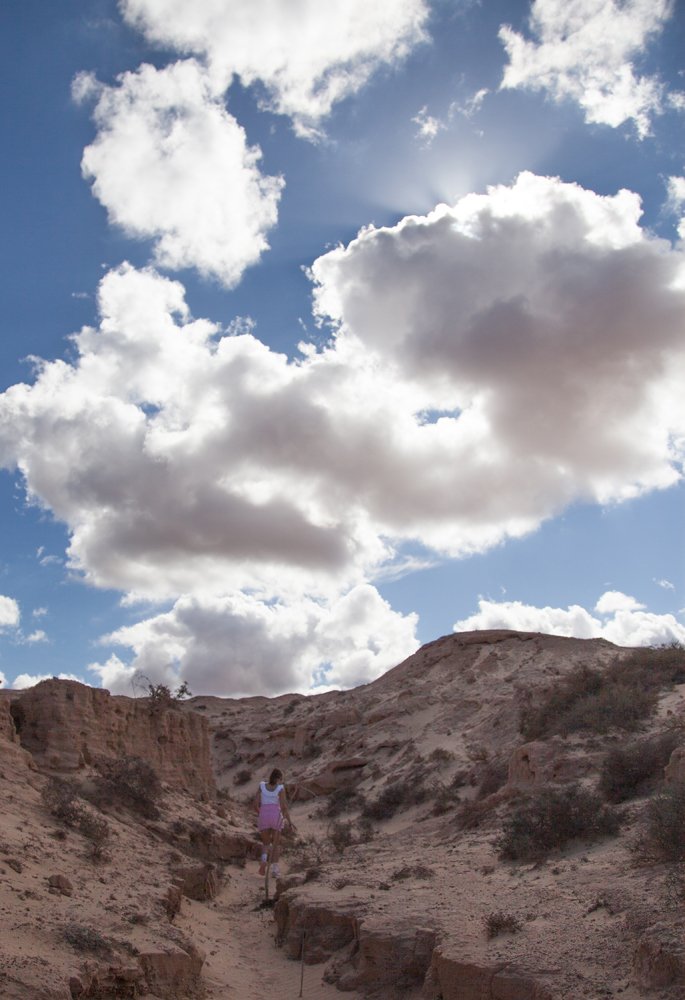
(170, 164)
(488, 363)
(622, 621)
(307, 54)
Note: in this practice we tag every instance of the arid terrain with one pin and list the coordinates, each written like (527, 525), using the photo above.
(477, 824)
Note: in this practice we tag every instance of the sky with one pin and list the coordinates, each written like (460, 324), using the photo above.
(331, 328)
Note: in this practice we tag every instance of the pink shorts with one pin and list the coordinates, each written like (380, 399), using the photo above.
(270, 818)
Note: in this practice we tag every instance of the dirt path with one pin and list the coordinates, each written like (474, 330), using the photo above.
(243, 962)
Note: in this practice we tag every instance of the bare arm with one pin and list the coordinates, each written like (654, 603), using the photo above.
(283, 803)
(257, 800)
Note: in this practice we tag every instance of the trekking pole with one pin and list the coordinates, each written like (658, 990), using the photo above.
(304, 935)
(266, 877)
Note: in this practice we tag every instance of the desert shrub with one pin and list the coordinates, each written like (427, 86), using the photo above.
(620, 697)
(87, 939)
(413, 871)
(664, 835)
(62, 799)
(399, 794)
(312, 750)
(440, 756)
(548, 820)
(472, 813)
(131, 781)
(340, 835)
(307, 854)
(501, 923)
(96, 830)
(162, 698)
(339, 801)
(290, 708)
(446, 797)
(366, 830)
(495, 776)
(242, 777)
(626, 771)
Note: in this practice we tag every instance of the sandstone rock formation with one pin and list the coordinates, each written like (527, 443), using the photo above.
(66, 726)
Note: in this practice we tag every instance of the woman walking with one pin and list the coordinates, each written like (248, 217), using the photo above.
(270, 802)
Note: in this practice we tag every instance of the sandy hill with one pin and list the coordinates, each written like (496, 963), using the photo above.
(127, 843)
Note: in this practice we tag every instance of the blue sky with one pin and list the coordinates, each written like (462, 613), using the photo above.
(300, 431)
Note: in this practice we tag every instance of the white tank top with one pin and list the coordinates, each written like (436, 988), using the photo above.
(269, 798)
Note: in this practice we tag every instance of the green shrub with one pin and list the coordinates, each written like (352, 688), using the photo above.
(620, 697)
(548, 820)
(664, 837)
(629, 770)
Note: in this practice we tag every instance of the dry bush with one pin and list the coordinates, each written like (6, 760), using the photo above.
(130, 781)
(340, 835)
(440, 756)
(62, 799)
(312, 750)
(339, 801)
(546, 821)
(87, 939)
(620, 697)
(496, 775)
(664, 837)
(473, 813)
(630, 770)
(413, 871)
(400, 794)
(501, 923)
(242, 777)
(290, 708)
(307, 853)
(446, 798)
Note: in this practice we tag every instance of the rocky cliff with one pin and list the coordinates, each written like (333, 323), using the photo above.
(66, 726)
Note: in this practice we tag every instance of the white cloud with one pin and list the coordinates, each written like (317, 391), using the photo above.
(39, 612)
(239, 645)
(665, 584)
(583, 50)
(574, 621)
(169, 163)
(37, 636)
(676, 200)
(428, 126)
(9, 612)
(614, 600)
(489, 364)
(626, 628)
(30, 680)
(308, 55)
(3, 680)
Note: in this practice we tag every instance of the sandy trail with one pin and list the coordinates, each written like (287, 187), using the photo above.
(243, 962)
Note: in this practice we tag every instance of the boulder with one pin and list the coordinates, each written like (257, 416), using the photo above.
(197, 881)
(675, 769)
(322, 928)
(657, 962)
(61, 883)
(453, 978)
(536, 764)
(342, 773)
(384, 956)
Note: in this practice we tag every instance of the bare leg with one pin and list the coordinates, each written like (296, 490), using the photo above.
(266, 836)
